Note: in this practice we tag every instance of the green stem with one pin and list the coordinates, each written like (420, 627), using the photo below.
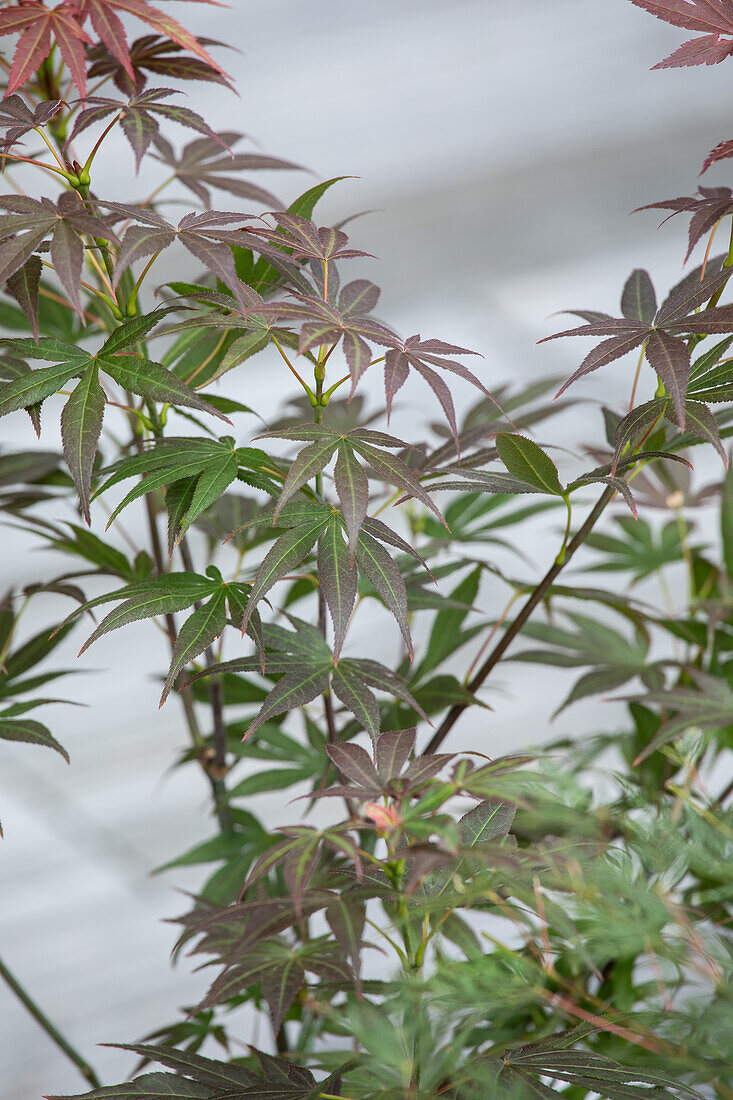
(563, 549)
(51, 1030)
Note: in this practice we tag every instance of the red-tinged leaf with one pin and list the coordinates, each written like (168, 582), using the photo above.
(70, 38)
(346, 918)
(393, 751)
(395, 472)
(39, 27)
(701, 422)
(706, 16)
(708, 50)
(351, 689)
(140, 241)
(396, 371)
(287, 553)
(152, 54)
(67, 255)
(203, 165)
(281, 983)
(162, 23)
(17, 250)
(387, 580)
(218, 1077)
(354, 763)
(308, 463)
(17, 119)
(24, 286)
(295, 689)
(198, 632)
(722, 151)
(692, 292)
(606, 352)
(670, 358)
(33, 733)
(352, 487)
(381, 531)
(425, 768)
(337, 576)
(81, 425)
(639, 302)
(383, 679)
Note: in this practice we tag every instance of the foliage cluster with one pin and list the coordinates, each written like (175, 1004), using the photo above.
(436, 924)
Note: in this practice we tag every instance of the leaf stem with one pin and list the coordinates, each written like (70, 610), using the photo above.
(526, 612)
(302, 381)
(51, 149)
(51, 1030)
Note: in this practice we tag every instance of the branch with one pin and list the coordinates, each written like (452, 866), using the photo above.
(53, 1033)
(517, 625)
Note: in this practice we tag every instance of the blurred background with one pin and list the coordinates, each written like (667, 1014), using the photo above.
(500, 148)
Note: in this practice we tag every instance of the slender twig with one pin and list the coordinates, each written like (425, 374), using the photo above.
(51, 1030)
(516, 626)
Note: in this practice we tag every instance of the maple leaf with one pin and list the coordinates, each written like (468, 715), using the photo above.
(39, 27)
(204, 235)
(712, 18)
(152, 54)
(659, 330)
(137, 118)
(16, 117)
(422, 356)
(707, 208)
(348, 323)
(722, 151)
(201, 165)
(107, 24)
(303, 240)
(30, 222)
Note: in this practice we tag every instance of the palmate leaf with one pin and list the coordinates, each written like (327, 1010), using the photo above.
(707, 208)
(27, 222)
(196, 471)
(206, 164)
(40, 28)
(383, 573)
(337, 577)
(639, 550)
(423, 356)
(82, 416)
(369, 445)
(553, 1057)
(661, 336)
(25, 286)
(206, 236)
(304, 667)
(152, 54)
(711, 18)
(17, 119)
(204, 1079)
(138, 118)
(107, 24)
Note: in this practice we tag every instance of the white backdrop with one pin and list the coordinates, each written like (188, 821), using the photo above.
(503, 146)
